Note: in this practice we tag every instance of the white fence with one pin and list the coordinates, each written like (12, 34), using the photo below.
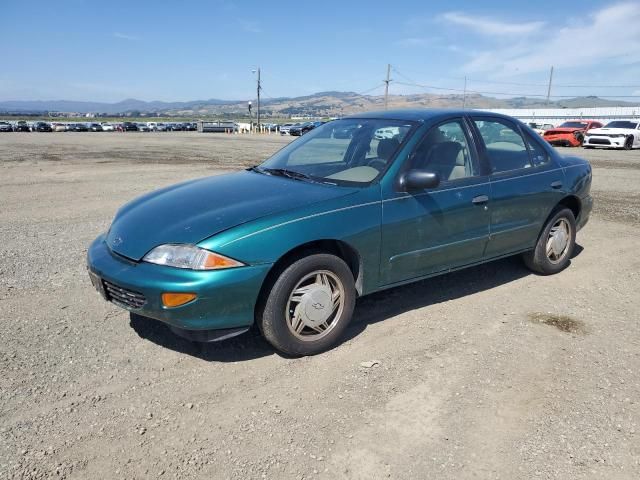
(559, 115)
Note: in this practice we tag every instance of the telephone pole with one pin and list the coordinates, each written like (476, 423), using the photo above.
(386, 86)
(549, 88)
(259, 88)
(464, 94)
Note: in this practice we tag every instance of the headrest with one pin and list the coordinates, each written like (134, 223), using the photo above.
(445, 152)
(386, 147)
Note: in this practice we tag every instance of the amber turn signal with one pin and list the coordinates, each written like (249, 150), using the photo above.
(170, 299)
(214, 261)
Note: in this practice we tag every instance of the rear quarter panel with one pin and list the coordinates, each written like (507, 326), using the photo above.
(578, 176)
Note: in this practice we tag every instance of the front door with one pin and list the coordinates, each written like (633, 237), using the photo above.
(434, 230)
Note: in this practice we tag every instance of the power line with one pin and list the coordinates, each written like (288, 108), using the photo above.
(525, 84)
(508, 94)
(362, 94)
(555, 85)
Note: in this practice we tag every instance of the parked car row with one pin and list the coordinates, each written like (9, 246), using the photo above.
(298, 129)
(624, 134)
(24, 126)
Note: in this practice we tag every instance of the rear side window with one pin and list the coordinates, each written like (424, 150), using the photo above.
(539, 155)
(505, 146)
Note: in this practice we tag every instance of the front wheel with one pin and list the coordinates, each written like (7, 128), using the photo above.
(579, 138)
(628, 144)
(554, 247)
(309, 305)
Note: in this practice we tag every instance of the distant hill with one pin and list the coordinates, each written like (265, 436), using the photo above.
(128, 105)
(322, 104)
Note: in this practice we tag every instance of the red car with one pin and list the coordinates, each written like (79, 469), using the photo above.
(571, 133)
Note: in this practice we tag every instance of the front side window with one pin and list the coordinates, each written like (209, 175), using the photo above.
(349, 151)
(505, 146)
(445, 150)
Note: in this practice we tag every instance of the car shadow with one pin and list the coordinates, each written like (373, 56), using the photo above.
(443, 288)
(577, 250)
(248, 346)
(369, 310)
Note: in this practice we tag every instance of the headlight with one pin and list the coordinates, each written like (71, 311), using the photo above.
(189, 256)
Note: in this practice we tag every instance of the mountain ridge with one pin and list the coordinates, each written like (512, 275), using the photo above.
(328, 103)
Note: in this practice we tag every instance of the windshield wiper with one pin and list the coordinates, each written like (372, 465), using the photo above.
(285, 172)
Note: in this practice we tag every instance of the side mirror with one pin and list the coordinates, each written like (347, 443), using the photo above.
(419, 180)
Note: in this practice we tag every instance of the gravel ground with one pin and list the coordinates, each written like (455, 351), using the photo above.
(490, 372)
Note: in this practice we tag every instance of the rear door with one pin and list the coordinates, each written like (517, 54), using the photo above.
(525, 184)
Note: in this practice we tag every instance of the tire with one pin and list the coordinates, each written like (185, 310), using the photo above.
(628, 144)
(304, 294)
(540, 260)
(579, 138)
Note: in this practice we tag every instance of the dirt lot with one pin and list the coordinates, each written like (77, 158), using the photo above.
(487, 373)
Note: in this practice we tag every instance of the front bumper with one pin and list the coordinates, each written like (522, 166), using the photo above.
(568, 140)
(225, 298)
(605, 142)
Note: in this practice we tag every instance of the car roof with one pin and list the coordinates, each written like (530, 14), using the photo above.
(425, 114)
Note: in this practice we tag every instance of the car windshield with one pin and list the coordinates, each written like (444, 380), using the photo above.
(622, 124)
(342, 152)
(574, 124)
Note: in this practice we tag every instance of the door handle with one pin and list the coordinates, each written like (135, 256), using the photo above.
(557, 184)
(480, 199)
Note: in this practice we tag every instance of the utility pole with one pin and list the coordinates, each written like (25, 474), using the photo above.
(259, 88)
(549, 88)
(386, 86)
(464, 94)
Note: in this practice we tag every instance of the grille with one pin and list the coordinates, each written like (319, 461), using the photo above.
(599, 141)
(124, 297)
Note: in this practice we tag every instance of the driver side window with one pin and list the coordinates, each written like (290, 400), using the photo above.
(445, 150)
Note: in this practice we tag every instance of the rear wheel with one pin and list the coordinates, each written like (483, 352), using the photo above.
(554, 247)
(309, 305)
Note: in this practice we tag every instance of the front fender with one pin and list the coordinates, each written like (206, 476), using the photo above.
(354, 219)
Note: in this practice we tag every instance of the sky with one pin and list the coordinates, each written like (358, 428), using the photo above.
(180, 51)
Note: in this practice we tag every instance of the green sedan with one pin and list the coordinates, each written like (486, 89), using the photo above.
(356, 206)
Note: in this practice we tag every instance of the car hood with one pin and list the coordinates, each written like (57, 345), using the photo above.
(555, 131)
(605, 131)
(192, 211)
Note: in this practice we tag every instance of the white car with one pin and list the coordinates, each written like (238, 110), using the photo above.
(386, 133)
(540, 128)
(242, 127)
(107, 127)
(284, 129)
(617, 134)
